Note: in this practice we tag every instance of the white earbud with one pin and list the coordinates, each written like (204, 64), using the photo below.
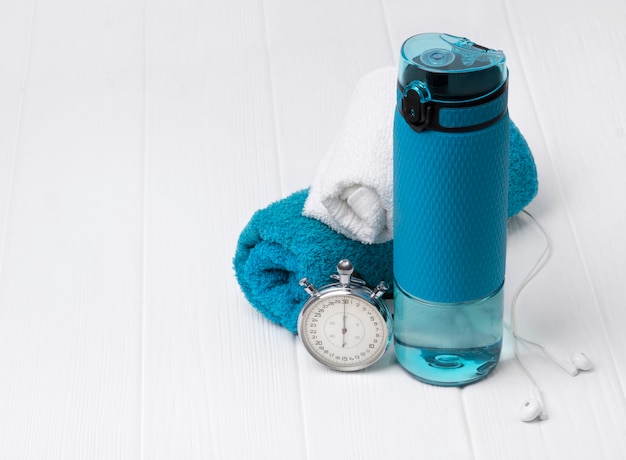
(578, 362)
(530, 410)
(581, 361)
(533, 408)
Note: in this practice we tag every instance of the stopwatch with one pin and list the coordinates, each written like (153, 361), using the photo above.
(345, 325)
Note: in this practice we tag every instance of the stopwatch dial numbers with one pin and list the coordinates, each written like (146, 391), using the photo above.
(345, 332)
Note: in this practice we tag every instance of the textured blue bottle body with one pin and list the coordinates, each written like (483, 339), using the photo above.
(450, 213)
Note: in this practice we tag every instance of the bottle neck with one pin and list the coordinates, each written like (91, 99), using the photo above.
(422, 113)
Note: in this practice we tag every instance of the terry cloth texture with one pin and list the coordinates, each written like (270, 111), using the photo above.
(352, 189)
(279, 246)
(523, 183)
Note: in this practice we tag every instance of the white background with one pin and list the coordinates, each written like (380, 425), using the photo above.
(138, 137)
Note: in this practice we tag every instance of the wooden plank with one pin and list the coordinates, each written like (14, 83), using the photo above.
(587, 150)
(379, 412)
(318, 51)
(71, 269)
(15, 27)
(220, 381)
(574, 304)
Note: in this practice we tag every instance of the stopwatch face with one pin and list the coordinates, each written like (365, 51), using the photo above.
(343, 331)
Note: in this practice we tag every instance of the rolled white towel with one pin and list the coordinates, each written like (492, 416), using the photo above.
(352, 190)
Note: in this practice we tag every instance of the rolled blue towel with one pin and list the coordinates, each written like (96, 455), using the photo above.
(279, 246)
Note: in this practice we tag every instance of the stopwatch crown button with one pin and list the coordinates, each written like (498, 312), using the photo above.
(345, 270)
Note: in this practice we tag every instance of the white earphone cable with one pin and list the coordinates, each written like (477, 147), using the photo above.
(541, 262)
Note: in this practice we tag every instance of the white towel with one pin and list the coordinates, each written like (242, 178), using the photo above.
(352, 190)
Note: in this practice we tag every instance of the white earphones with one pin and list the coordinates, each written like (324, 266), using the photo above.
(534, 408)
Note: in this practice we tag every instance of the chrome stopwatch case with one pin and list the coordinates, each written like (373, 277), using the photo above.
(346, 325)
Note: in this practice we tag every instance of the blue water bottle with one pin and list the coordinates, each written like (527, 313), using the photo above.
(451, 147)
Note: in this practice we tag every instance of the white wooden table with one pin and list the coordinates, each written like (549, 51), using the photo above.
(138, 137)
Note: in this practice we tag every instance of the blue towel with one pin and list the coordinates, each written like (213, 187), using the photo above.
(523, 184)
(280, 246)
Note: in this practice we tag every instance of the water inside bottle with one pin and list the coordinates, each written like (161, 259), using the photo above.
(448, 344)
